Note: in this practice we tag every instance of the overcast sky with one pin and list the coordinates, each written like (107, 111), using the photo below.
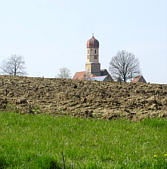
(51, 34)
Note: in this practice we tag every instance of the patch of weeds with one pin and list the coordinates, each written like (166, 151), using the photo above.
(12, 108)
(160, 162)
(3, 163)
(45, 162)
(54, 165)
(91, 165)
(154, 122)
(97, 115)
(34, 109)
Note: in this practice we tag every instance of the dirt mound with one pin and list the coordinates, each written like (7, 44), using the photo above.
(108, 100)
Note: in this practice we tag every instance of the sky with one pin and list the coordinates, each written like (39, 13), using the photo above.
(52, 34)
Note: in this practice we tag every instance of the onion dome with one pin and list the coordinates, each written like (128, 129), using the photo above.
(93, 43)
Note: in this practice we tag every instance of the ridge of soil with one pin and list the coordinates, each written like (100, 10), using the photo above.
(107, 100)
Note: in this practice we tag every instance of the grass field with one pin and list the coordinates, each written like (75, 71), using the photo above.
(37, 142)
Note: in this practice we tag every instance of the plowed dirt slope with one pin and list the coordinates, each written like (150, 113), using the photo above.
(83, 98)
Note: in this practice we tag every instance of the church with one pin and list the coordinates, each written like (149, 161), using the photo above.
(93, 69)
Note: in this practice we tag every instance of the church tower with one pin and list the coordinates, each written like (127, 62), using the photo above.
(92, 65)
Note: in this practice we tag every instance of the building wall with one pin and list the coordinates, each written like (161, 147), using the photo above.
(93, 68)
(92, 55)
(92, 64)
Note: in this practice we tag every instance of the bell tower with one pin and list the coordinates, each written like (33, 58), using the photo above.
(92, 65)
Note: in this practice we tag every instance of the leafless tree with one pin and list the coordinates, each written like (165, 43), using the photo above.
(124, 66)
(64, 73)
(14, 65)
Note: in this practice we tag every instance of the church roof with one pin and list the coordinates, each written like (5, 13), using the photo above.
(93, 43)
(139, 79)
(80, 76)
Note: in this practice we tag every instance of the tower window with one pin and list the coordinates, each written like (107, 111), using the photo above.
(95, 51)
(95, 57)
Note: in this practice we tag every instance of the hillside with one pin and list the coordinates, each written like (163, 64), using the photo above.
(37, 142)
(83, 98)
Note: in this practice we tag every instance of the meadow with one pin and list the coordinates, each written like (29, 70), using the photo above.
(37, 142)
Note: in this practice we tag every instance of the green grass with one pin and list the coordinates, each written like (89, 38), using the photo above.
(37, 142)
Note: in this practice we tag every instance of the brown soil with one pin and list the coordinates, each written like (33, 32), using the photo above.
(107, 100)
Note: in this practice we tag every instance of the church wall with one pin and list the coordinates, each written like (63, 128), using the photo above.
(93, 68)
(93, 55)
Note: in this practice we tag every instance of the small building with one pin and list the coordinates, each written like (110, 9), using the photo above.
(92, 66)
(84, 76)
(139, 79)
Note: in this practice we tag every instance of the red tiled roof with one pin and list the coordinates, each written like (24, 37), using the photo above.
(80, 75)
(139, 79)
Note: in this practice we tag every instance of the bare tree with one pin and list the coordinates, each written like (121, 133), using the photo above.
(124, 66)
(15, 65)
(64, 73)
